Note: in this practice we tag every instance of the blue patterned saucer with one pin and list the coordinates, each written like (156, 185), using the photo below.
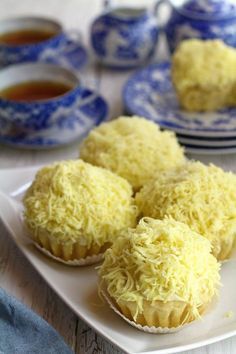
(69, 129)
(149, 93)
(72, 55)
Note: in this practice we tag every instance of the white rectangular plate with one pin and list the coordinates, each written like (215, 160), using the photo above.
(77, 286)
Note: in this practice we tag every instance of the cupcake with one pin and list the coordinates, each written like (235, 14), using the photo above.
(204, 75)
(160, 274)
(200, 196)
(74, 210)
(132, 147)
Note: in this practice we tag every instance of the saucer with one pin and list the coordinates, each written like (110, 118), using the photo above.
(73, 55)
(149, 93)
(209, 143)
(68, 129)
(207, 146)
(210, 151)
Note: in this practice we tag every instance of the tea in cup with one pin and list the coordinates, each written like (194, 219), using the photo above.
(38, 96)
(30, 39)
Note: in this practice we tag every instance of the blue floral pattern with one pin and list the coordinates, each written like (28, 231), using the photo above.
(40, 115)
(124, 43)
(62, 50)
(71, 54)
(209, 8)
(67, 128)
(150, 93)
(203, 19)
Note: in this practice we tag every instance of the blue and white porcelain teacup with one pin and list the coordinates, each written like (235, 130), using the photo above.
(51, 45)
(42, 114)
(124, 37)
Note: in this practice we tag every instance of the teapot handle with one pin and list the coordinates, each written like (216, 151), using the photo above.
(158, 7)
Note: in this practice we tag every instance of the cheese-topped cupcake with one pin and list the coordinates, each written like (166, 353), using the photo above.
(204, 74)
(201, 196)
(132, 147)
(160, 274)
(74, 210)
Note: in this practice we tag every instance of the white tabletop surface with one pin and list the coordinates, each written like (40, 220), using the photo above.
(16, 274)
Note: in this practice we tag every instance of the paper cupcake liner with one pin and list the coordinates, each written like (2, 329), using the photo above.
(232, 257)
(225, 250)
(64, 253)
(147, 329)
(76, 262)
(152, 329)
(45, 244)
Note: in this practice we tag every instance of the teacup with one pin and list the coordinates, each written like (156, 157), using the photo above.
(30, 39)
(38, 113)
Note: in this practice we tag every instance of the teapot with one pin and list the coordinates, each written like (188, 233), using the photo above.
(203, 19)
(124, 37)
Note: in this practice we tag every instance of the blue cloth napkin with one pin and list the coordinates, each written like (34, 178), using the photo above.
(24, 332)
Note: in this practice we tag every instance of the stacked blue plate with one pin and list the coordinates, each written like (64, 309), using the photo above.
(150, 93)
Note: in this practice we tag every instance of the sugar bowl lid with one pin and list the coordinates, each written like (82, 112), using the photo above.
(206, 9)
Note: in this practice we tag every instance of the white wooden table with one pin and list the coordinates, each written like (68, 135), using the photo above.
(16, 274)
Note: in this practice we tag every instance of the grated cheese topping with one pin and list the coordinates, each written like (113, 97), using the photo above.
(212, 62)
(201, 196)
(204, 74)
(160, 260)
(132, 147)
(74, 201)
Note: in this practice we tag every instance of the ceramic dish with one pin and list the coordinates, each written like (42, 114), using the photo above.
(93, 111)
(78, 288)
(207, 142)
(57, 45)
(208, 146)
(193, 149)
(227, 141)
(149, 92)
(73, 56)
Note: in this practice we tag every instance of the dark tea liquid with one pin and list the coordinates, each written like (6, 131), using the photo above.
(34, 91)
(27, 36)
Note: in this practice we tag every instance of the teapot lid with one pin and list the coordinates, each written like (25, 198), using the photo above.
(206, 9)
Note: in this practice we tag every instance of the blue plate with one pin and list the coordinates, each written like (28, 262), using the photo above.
(149, 93)
(212, 143)
(192, 149)
(67, 130)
